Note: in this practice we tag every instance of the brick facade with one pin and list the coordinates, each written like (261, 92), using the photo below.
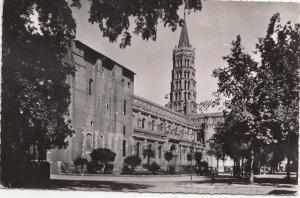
(105, 113)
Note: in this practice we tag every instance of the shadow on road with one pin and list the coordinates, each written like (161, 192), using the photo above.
(260, 181)
(89, 185)
(280, 192)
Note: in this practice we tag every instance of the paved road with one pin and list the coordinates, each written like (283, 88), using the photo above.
(169, 184)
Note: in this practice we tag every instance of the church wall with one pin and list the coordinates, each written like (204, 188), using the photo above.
(99, 90)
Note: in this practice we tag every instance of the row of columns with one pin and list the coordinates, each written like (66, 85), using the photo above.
(184, 84)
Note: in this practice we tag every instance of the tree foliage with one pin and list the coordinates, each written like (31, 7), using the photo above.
(262, 97)
(198, 156)
(154, 167)
(132, 161)
(79, 161)
(103, 155)
(113, 17)
(168, 156)
(35, 93)
(148, 153)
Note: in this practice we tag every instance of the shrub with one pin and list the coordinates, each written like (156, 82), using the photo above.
(79, 161)
(172, 170)
(202, 168)
(108, 168)
(149, 153)
(102, 157)
(94, 167)
(189, 157)
(198, 156)
(126, 170)
(168, 156)
(132, 162)
(154, 167)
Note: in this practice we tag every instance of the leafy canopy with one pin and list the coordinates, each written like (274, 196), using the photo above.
(113, 17)
(103, 155)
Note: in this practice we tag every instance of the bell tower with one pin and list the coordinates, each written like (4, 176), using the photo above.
(183, 84)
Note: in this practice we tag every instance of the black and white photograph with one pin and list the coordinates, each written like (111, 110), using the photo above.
(193, 97)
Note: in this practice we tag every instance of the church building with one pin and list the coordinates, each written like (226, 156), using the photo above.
(105, 112)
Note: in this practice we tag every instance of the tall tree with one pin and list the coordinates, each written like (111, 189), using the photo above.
(36, 38)
(264, 96)
(237, 83)
(279, 84)
(35, 94)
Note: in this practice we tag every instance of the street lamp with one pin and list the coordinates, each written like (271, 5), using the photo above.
(192, 155)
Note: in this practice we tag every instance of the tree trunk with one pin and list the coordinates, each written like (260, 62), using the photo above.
(288, 168)
(243, 166)
(251, 174)
(238, 168)
(217, 166)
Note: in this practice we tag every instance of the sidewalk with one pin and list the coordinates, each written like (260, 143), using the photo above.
(130, 178)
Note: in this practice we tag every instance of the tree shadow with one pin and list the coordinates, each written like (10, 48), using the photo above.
(96, 185)
(237, 180)
(282, 192)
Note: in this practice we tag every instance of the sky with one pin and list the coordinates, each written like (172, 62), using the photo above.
(210, 33)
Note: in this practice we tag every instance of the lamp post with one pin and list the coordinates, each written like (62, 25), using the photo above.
(192, 155)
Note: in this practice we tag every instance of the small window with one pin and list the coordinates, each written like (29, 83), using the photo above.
(159, 152)
(92, 123)
(90, 86)
(124, 107)
(138, 148)
(124, 130)
(143, 123)
(106, 105)
(124, 148)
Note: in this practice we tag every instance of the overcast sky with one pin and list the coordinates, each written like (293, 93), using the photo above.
(210, 32)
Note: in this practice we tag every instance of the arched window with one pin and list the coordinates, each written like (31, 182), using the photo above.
(184, 109)
(184, 154)
(89, 142)
(189, 95)
(185, 74)
(143, 123)
(92, 123)
(101, 141)
(124, 148)
(173, 148)
(185, 84)
(185, 95)
(90, 86)
(153, 125)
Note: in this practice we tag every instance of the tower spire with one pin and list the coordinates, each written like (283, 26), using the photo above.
(184, 37)
(183, 84)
